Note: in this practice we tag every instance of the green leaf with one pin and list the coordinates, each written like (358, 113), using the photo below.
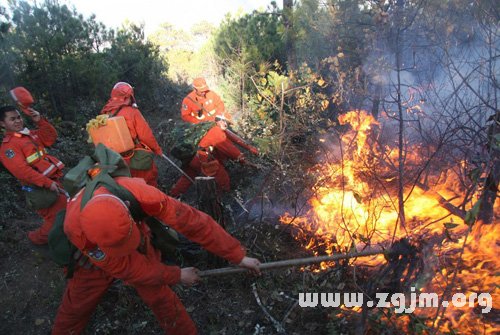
(471, 215)
(420, 328)
(474, 174)
(497, 141)
(450, 225)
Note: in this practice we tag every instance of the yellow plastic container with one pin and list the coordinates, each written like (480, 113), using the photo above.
(115, 135)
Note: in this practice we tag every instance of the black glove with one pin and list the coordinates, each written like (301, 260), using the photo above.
(82, 260)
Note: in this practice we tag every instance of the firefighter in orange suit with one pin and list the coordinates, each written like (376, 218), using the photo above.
(120, 248)
(202, 104)
(24, 154)
(122, 103)
(215, 149)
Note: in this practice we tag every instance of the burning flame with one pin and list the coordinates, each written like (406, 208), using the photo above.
(354, 204)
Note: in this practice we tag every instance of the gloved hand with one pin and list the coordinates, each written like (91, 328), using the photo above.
(82, 260)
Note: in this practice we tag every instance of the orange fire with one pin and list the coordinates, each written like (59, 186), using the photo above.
(355, 203)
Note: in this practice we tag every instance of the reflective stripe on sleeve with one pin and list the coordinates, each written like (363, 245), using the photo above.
(49, 169)
(37, 155)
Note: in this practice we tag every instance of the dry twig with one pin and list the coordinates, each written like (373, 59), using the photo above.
(277, 325)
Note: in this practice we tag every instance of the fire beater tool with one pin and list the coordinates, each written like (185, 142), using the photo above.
(300, 261)
(192, 181)
(178, 168)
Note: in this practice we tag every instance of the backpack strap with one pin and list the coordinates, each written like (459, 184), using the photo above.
(60, 247)
(104, 179)
(164, 238)
(117, 111)
(200, 106)
(124, 194)
(110, 164)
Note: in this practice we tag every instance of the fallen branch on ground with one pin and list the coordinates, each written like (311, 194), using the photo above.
(276, 323)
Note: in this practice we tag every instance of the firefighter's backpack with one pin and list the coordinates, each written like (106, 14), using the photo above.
(91, 173)
(187, 136)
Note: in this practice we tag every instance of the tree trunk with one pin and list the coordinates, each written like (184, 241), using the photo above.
(289, 35)
(209, 202)
(401, 144)
(376, 101)
(208, 199)
(486, 213)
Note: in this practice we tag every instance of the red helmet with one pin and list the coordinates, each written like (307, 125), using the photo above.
(122, 90)
(106, 221)
(200, 84)
(23, 98)
(120, 95)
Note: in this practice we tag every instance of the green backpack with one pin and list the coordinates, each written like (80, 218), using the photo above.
(111, 165)
(187, 137)
(60, 248)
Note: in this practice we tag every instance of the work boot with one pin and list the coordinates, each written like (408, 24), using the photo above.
(36, 237)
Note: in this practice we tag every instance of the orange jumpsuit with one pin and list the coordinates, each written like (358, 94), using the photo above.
(143, 137)
(222, 150)
(141, 269)
(196, 108)
(25, 155)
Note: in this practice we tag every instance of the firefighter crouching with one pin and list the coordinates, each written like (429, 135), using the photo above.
(120, 248)
(214, 149)
(122, 103)
(24, 154)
